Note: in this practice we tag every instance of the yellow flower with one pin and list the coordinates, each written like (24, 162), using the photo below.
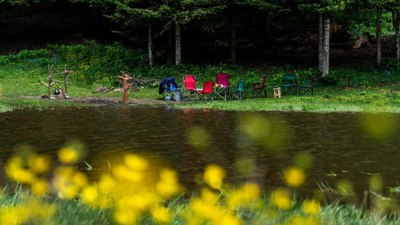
(214, 176)
(124, 217)
(135, 162)
(161, 214)
(205, 210)
(106, 183)
(40, 212)
(294, 177)
(21, 175)
(245, 195)
(79, 179)
(68, 155)
(298, 220)
(89, 195)
(40, 187)
(311, 207)
(14, 215)
(122, 172)
(281, 199)
(209, 196)
(68, 181)
(16, 171)
(229, 220)
(39, 163)
(168, 184)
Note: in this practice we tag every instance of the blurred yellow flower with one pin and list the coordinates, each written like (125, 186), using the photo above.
(14, 215)
(245, 195)
(204, 210)
(209, 196)
(136, 162)
(40, 187)
(89, 195)
(161, 214)
(16, 171)
(376, 183)
(380, 126)
(39, 212)
(39, 163)
(21, 175)
(198, 137)
(68, 155)
(281, 199)
(106, 183)
(139, 202)
(298, 220)
(168, 184)
(124, 217)
(68, 182)
(122, 172)
(228, 220)
(79, 179)
(214, 176)
(311, 207)
(294, 177)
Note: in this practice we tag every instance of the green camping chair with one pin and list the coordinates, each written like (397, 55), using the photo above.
(290, 84)
(239, 92)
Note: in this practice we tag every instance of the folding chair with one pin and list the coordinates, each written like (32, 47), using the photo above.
(190, 92)
(306, 88)
(207, 91)
(239, 92)
(260, 88)
(290, 84)
(222, 87)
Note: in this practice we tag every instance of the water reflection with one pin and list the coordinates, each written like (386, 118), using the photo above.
(253, 147)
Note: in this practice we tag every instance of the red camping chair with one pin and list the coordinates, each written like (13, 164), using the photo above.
(189, 82)
(207, 90)
(222, 88)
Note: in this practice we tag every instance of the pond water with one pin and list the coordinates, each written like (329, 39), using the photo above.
(340, 143)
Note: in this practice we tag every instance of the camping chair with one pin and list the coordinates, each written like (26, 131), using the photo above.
(290, 84)
(207, 91)
(239, 92)
(306, 88)
(190, 92)
(222, 87)
(168, 86)
(260, 88)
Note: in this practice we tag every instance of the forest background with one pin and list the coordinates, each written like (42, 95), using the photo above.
(259, 32)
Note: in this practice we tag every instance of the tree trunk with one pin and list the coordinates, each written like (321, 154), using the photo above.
(233, 38)
(378, 37)
(150, 46)
(397, 29)
(325, 68)
(320, 43)
(178, 57)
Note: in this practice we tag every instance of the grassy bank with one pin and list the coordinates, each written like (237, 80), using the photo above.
(361, 88)
(370, 99)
